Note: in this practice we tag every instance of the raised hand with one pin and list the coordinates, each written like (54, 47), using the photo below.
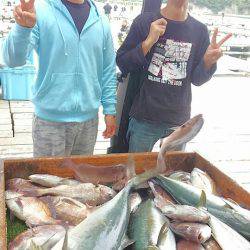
(214, 51)
(25, 14)
(157, 29)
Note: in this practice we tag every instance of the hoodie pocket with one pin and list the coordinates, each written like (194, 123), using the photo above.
(60, 94)
(89, 93)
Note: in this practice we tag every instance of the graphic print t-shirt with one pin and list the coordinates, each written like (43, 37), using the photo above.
(173, 63)
(169, 62)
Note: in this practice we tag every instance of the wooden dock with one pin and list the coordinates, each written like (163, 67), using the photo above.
(224, 139)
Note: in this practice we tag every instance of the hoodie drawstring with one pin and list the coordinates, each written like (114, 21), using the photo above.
(60, 29)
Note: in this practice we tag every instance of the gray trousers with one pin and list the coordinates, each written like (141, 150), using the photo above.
(63, 139)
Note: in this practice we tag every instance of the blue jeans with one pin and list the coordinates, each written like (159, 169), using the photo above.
(142, 135)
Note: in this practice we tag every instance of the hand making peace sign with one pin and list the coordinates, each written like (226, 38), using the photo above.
(25, 14)
(214, 51)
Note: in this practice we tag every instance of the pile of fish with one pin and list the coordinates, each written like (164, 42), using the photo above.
(155, 210)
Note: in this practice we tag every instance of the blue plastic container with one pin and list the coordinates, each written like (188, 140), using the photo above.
(17, 82)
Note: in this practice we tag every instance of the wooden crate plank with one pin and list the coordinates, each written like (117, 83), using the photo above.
(6, 127)
(5, 116)
(22, 110)
(5, 121)
(6, 134)
(3, 101)
(3, 225)
(4, 104)
(4, 111)
(22, 129)
(16, 141)
(16, 149)
(22, 122)
(22, 116)
(16, 156)
(21, 104)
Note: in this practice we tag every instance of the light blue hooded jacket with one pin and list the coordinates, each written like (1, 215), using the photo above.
(76, 72)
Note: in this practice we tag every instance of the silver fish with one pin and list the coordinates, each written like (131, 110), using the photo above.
(31, 210)
(43, 236)
(86, 193)
(196, 232)
(226, 237)
(173, 211)
(47, 180)
(145, 225)
(184, 213)
(106, 227)
(202, 180)
(186, 194)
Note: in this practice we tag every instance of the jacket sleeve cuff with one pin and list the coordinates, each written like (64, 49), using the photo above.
(22, 32)
(141, 58)
(211, 71)
(109, 109)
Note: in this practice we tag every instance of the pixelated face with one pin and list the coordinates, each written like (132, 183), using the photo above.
(180, 2)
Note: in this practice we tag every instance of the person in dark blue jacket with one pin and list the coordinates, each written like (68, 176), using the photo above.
(172, 49)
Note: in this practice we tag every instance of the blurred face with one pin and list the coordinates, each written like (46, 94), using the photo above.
(178, 3)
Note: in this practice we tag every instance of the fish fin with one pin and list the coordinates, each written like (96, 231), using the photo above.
(163, 231)
(66, 239)
(203, 200)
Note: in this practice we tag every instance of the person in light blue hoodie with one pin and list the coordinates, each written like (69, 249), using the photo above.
(76, 72)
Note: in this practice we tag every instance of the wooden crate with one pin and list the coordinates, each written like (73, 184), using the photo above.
(174, 160)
